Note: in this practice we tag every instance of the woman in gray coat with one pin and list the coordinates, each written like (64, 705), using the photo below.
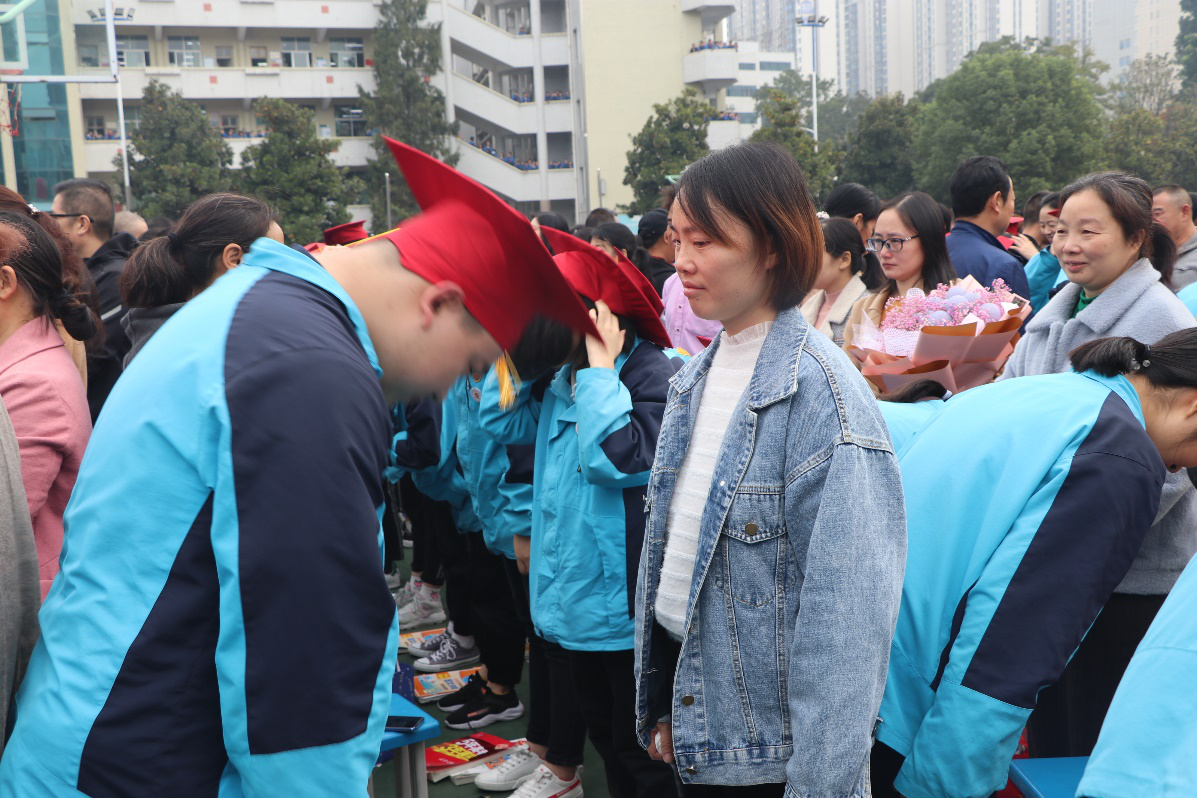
(1113, 254)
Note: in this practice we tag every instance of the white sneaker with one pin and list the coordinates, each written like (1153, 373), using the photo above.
(511, 773)
(404, 593)
(419, 612)
(394, 581)
(543, 784)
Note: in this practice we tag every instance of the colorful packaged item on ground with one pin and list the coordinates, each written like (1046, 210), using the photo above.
(443, 760)
(408, 639)
(431, 686)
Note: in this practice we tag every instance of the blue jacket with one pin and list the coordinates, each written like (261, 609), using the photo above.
(1149, 738)
(593, 456)
(978, 252)
(1188, 295)
(1026, 502)
(208, 628)
(797, 578)
(445, 481)
(1043, 273)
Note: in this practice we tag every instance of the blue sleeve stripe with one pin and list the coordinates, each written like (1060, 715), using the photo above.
(957, 621)
(521, 458)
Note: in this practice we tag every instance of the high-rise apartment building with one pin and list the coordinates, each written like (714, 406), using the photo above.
(1126, 30)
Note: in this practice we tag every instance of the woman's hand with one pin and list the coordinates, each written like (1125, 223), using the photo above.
(602, 354)
(661, 746)
(1025, 245)
(523, 552)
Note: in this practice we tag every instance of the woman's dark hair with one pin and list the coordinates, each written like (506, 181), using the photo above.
(840, 236)
(915, 391)
(922, 215)
(848, 199)
(553, 220)
(1170, 362)
(37, 262)
(949, 218)
(547, 345)
(760, 185)
(176, 266)
(620, 237)
(1051, 200)
(1129, 199)
(583, 232)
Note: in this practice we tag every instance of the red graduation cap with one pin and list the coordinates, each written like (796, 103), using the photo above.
(1014, 226)
(621, 285)
(346, 233)
(468, 236)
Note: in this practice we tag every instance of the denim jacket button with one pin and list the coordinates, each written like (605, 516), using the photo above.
(690, 771)
(687, 700)
(751, 530)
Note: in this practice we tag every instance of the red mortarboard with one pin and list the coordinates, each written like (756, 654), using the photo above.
(470, 237)
(621, 285)
(1013, 227)
(315, 247)
(1054, 212)
(344, 234)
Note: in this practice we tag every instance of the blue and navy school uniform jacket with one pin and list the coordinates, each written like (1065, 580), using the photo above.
(594, 453)
(1148, 743)
(979, 253)
(221, 620)
(445, 481)
(1026, 502)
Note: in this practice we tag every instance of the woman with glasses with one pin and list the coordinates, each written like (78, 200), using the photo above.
(910, 242)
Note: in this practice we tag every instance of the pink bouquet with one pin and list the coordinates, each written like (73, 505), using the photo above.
(959, 336)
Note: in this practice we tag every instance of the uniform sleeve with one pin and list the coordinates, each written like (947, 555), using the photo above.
(1016, 279)
(416, 443)
(619, 418)
(307, 625)
(1017, 626)
(514, 425)
(515, 490)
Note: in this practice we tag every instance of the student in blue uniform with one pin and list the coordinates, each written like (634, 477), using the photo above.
(594, 423)
(1026, 501)
(221, 620)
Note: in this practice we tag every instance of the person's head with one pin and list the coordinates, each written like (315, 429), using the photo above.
(843, 255)
(84, 210)
(668, 194)
(599, 216)
(549, 219)
(857, 204)
(983, 193)
(31, 281)
(1030, 217)
(1172, 207)
(583, 232)
(614, 238)
(1105, 227)
(949, 218)
(653, 231)
(911, 243)
(747, 240)
(1165, 376)
(211, 237)
(157, 226)
(75, 275)
(1049, 217)
(129, 222)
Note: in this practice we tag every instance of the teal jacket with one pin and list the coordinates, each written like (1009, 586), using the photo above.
(1043, 274)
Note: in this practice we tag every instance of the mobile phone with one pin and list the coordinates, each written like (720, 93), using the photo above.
(403, 723)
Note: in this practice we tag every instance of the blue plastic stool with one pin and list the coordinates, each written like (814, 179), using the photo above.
(1048, 778)
(406, 750)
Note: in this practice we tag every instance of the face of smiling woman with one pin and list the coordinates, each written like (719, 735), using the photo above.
(1090, 244)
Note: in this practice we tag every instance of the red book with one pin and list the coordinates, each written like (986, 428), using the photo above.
(444, 759)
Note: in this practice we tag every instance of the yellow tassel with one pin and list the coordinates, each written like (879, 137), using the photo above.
(509, 381)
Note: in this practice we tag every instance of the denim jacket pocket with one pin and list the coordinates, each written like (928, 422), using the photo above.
(753, 547)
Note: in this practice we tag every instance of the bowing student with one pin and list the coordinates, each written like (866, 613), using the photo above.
(1026, 502)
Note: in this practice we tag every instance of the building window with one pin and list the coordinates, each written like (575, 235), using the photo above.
(259, 57)
(230, 125)
(132, 118)
(297, 51)
(748, 67)
(775, 66)
(95, 128)
(89, 55)
(184, 51)
(350, 121)
(224, 56)
(133, 52)
(347, 52)
(741, 91)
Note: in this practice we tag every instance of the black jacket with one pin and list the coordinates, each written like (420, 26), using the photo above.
(104, 364)
(657, 271)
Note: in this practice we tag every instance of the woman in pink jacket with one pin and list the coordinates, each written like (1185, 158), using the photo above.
(39, 383)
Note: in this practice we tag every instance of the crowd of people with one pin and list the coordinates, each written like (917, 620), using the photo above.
(712, 44)
(523, 164)
(646, 461)
(549, 96)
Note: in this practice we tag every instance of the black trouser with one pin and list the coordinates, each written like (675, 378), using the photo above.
(554, 718)
(392, 535)
(497, 627)
(606, 690)
(884, 764)
(427, 517)
(1069, 714)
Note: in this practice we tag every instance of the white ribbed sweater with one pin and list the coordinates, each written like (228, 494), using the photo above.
(727, 379)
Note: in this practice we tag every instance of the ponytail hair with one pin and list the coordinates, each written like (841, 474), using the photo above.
(1170, 362)
(37, 262)
(915, 391)
(840, 236)
(171, 268)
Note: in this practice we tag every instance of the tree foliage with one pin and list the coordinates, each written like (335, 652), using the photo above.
(838, 112)
(1047, 136)
(404, 104)
(673, 137)
(176, 155)
(782, 126)
(879, 152)
(1148, 84)
(1186, 42)
(292, 169)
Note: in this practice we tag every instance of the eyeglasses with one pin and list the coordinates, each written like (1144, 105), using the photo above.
(892, 244)
(63, 215)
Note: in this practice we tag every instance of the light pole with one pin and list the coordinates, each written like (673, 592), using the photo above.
(808, 17)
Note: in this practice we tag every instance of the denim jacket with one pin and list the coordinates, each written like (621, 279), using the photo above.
(798, 576)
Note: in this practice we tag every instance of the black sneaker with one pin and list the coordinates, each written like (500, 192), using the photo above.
(466, 695)
(486, 709)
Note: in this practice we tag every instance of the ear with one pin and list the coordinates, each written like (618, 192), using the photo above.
(438, 298)
(858, 220)
(844, 261)
(8, 283)
(84, 223)
(231, 257)
(996, 202)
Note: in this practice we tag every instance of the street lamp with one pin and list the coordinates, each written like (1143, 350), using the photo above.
(808, 17)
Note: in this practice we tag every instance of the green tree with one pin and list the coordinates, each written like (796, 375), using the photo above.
(1186, 42)
(404, 104)
(1136, 143)
(1149, 83)
(293, 170)
(879, 150)
(838, 112)
(673, 137)
(782, 125)
(1034, 106)
(176, 156)
(1180, 131)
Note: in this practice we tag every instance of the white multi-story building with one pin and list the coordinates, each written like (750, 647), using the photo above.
(1126, 30)
(756, 68)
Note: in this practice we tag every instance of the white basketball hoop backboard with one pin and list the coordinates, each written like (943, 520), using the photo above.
(13, 54)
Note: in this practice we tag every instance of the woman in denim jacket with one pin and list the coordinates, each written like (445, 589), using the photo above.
(776, 537)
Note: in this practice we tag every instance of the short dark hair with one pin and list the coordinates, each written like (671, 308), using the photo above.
(922, 214)
(1177, 193)
(848, 199)
(1034, 204)
(976, 180)
(840, 236)
(553, 220)
(90, 198)
(762, 186)
(599, 216)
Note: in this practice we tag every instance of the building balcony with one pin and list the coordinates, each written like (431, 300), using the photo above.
(482, 42)
(291, 14)
(353, 152)
(519, 118)
(516, 184)
(201, 83)
(711, 70)
(712, 11)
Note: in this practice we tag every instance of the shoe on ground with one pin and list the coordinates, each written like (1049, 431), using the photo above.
(466, 695)
(419, 612)
(404, 593)
(394, 581)
(520, 766)
(543, 784)
(450, 656)
(427, 647)
(487, 708)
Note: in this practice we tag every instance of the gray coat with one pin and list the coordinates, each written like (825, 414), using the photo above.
(1185, 271)
(1136, 305)
(20, 589)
